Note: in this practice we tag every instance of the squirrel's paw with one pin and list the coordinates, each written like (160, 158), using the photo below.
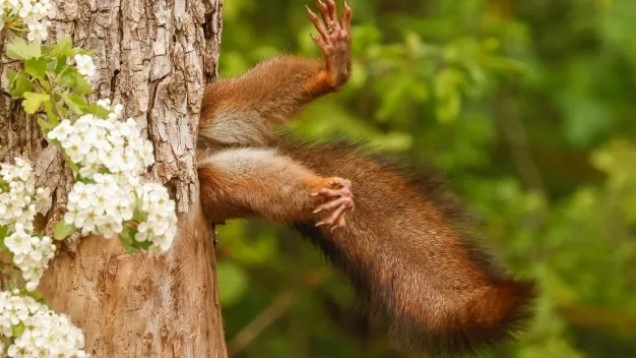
(334, 39)
(337, 191)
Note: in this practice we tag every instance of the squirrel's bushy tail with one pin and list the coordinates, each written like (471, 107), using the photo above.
(406, 251)
(489, 318)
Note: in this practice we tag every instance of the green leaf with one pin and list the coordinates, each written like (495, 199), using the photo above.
(447, 110)
(52, 117)
(395, 95)
(4, 232)
(36, 67)
(130, 243)
(11, 74)
(233, 280)
(63, 47)
(19, 49)
(68, 77)
(77, 104)
(72, 79)
(127, 238)
(32, 101)
(63, 229)
(97, 110)
(19, 85)
(145, 245)
(36, 295)
(82, 86)
(70, 164)
(18, 329)
(45, 125)
(60, 64)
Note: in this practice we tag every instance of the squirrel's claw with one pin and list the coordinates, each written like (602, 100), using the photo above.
(341, 201)
(334, 40)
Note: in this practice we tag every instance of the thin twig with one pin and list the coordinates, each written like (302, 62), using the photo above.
(273, 312)
(517, 139)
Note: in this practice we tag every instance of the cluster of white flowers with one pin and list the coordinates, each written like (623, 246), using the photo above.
(108, 197)
(96, 144)
(43, 333)
(18, 206)
(33, 14)
(100, 207)
(160, 226)
(111, 156)
(104, 206)
(85, 65)
(31, 254)
(20, 203)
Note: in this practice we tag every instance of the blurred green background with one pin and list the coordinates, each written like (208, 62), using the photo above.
(527, 107)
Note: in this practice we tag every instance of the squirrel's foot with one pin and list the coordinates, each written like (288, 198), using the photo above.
(340, 200)
(334, 40)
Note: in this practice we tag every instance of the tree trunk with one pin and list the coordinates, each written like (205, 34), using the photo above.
(153, 57)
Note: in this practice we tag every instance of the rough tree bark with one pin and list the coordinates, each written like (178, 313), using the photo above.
(154, 57)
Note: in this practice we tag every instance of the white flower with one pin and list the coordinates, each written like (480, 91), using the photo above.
(46, 334)
(18, 205)
(103, 207)
(31, 286)
(38, 31)
(104, 102)
(118, 109)
(23, 169)
(61, 131)
(160, 227)
(19, 242)
(95, 144)
(31, 254)
(25, 10)
(41, 8)
(112, 155)
(85, 65)
(100, 208)
(32, 13)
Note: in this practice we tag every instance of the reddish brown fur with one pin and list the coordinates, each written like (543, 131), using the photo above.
(415, 267)
(243, 182)
(403, 247)
(234, 101)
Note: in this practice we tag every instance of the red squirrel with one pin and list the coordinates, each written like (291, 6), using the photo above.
(405, 252)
